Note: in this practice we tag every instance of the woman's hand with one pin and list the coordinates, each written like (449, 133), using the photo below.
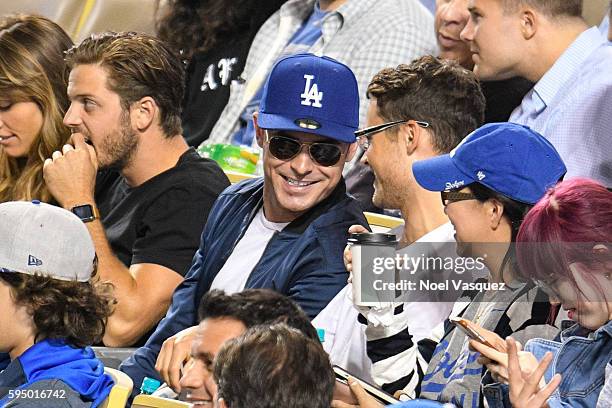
(497, 361)
(526, 390)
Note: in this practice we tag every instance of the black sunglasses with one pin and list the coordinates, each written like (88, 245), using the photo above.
(286, 148)
(363, 136)
(452, 196)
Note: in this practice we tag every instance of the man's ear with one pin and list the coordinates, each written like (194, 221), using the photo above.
(259, 132)
(350, 153)
(144, 113)
(221, 403)
(529, 23)
(409, 135)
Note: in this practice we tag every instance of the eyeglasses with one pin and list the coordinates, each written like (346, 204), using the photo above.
(286, 148)
(364, 135)
(453, 196)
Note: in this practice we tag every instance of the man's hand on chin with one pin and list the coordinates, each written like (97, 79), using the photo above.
(70, 175)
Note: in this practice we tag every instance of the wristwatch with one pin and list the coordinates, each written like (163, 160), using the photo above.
(86, 212)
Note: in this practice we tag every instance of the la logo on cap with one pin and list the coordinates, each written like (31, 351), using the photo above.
(311, 93)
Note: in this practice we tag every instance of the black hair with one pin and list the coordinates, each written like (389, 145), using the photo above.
(256, 307)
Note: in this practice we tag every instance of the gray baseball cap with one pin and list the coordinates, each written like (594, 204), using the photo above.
(38, 238)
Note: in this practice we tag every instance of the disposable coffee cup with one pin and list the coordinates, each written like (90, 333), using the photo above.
(373, 256)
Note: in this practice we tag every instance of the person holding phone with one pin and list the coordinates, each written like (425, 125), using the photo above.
(563, 244)
(488, 183)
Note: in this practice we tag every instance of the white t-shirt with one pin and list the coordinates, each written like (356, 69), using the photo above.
(233, 276)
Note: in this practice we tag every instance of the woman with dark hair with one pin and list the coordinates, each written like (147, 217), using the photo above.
(33, 101)
(487, 183)
(564, 245)
(214, 37)
(51, 310)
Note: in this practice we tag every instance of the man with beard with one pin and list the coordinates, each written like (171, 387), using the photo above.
(147, 206)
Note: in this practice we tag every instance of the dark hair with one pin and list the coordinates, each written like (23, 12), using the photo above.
(197, 26)
(563, 227)
(274, 366)
(433, 90)
(514, 211)
(256, 307)
(552, 8)
(137, 65)
(74, 311)
(32, 69)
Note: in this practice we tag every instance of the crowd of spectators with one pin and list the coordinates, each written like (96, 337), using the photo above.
(484, 125)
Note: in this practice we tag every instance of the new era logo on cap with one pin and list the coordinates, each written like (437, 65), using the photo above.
(34, 261)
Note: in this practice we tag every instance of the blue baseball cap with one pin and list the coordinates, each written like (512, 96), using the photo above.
(508, 158)
(311, 94)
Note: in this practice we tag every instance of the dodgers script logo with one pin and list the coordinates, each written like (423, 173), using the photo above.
(311, 95)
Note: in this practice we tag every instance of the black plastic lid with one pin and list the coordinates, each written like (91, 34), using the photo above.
(373, 238)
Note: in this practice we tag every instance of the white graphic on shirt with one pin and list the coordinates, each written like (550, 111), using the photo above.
(225, 67)
(311, 96)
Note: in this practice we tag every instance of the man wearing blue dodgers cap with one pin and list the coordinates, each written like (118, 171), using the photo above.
(285, 231)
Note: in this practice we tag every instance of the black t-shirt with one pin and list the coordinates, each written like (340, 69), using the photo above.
(161, 220)
(209, 75)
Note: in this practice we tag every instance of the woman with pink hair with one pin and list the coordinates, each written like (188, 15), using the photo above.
(564, 244)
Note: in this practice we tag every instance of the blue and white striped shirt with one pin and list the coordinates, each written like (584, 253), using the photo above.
(571, 105)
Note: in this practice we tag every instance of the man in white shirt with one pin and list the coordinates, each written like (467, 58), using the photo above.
(285, 231)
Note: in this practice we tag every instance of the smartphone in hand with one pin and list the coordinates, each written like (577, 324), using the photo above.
(477, 333)
(380, 395)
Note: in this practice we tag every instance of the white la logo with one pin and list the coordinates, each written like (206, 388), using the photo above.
(311, 93)
(480, 175)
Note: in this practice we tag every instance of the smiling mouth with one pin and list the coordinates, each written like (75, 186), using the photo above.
(298, 183)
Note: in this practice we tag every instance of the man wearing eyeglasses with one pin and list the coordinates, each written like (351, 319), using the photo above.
(285, 231)
(412, 116)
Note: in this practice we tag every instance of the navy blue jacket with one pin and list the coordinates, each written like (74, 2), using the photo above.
(303, 261)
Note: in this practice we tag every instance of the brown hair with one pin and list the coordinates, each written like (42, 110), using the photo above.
(430, 89)
(32, 69)
(274, 366)
(137, 65)
(552, 8)
(70, 310)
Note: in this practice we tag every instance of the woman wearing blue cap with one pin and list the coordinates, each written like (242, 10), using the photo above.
(487, 183)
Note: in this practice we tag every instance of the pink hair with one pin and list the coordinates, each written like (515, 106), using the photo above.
(563, 227)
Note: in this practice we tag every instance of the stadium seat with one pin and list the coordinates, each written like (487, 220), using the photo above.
(382, 223)
(235, 177)
(149, 401)
(66, 13)
(116, 15)
(121, 390)
(113, 356)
